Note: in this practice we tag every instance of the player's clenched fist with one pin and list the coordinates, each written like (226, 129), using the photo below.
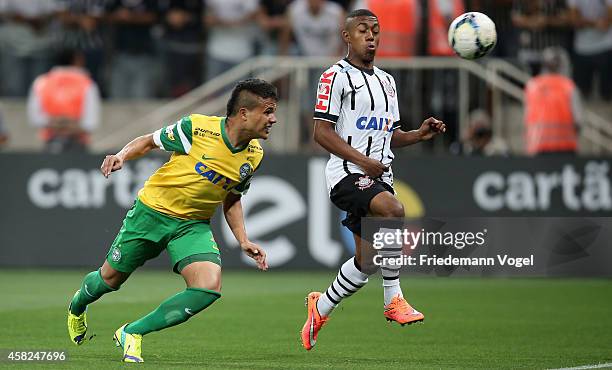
(431, 127)
(110, 164)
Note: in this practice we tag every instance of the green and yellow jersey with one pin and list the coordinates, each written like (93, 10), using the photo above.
(203, 169)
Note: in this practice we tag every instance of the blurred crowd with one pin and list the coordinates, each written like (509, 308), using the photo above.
(163, 48)
(152, 48)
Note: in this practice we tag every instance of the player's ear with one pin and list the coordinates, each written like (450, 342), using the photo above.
(345, 37)
(243, 113)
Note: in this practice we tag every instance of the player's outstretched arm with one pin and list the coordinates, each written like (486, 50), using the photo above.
(134, 149)
(232, 210)
(326, 136)
(429, 128)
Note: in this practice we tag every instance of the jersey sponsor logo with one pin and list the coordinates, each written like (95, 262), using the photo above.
(169, 133)
(359, 87)
(364, 182)
(245, 171)
(324, 91)
(205, 158)
(204, 132)
(189, 312)
(253, 149)
(374, 123)
(212, 176)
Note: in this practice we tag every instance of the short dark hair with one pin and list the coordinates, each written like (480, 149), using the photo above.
(360, 13)
(242, 95)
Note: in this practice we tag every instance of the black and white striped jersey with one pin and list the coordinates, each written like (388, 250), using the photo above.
(363, 105)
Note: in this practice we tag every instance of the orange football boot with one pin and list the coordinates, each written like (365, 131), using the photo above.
(401, 312)
(314, 321)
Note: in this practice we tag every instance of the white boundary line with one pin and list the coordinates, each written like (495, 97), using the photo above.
(598, 366)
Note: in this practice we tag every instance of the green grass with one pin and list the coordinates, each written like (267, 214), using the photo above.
(470, 323)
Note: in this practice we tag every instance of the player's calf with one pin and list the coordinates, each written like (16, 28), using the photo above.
(174, 310)
(348, 281)
(92, 288)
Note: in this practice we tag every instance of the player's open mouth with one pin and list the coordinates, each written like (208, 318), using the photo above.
(371, 47)
(267, 128)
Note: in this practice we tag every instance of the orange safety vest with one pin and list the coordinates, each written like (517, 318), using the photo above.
(399, 23)
(62, 93)
(549, 121)
(438, 28)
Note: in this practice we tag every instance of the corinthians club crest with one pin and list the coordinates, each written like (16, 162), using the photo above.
(364, 182)
(388, 87)
(245, 171)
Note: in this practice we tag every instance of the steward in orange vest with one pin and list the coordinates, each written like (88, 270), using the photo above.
(64, 104)
(401, 21)
(439, 21)
(552, 110)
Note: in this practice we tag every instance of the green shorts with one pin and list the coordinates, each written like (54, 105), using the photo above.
(146, 233)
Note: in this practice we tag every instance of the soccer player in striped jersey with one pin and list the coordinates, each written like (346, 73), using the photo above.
(212, 162)
(356, 119)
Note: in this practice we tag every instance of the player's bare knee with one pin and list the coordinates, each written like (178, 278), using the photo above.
(398, 210)
(112, 277)
(392, 210)
(209, 284)
(213, 284)
(203, 275)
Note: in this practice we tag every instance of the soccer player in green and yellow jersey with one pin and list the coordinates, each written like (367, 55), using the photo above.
(212, 163)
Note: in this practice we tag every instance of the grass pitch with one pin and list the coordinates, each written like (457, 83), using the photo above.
(469, 323)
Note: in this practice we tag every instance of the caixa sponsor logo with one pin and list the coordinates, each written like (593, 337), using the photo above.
(212, 176)
(374, 123)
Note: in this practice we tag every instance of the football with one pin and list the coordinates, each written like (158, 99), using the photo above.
(472, 35)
